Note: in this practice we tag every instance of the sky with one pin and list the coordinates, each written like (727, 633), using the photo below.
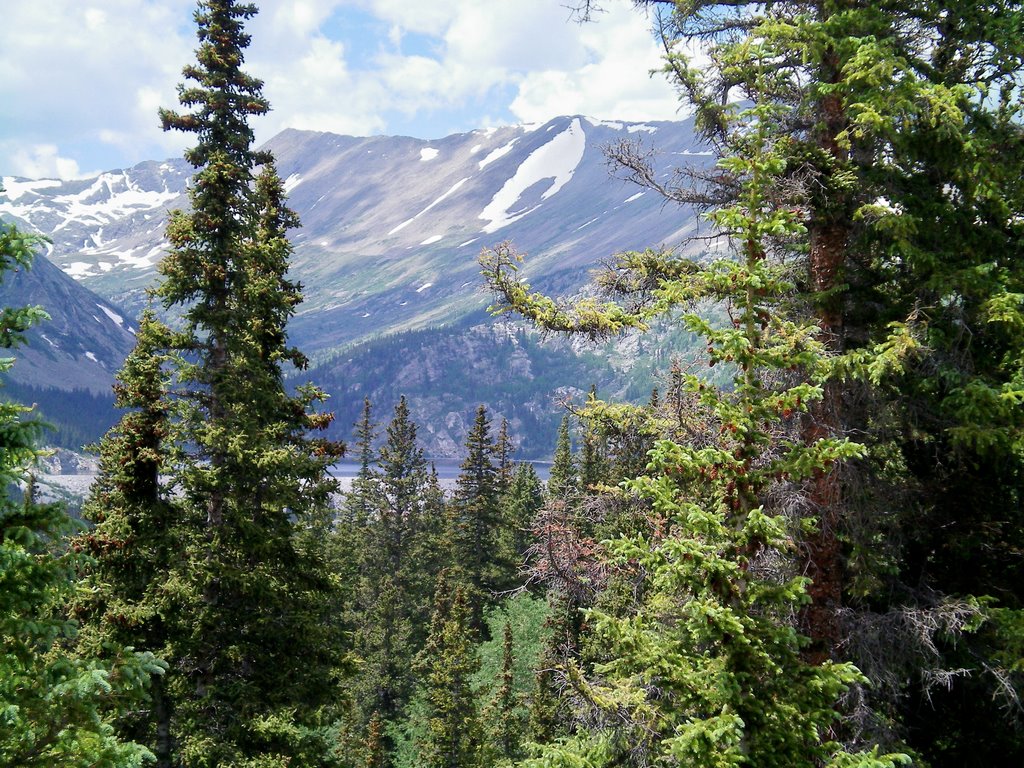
(81, 80)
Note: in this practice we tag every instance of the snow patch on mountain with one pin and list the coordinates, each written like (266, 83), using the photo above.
(110, 197)
(428, 153)
(14, 189)
(556, 160)
(112, 315)
(292, 182)
(122, 258)
(79, 269)
(451, 191)
(631, 198)
(431, 240)
(497, 153)
(613, 124)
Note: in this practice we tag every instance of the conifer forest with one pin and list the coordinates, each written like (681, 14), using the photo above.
(805, 548)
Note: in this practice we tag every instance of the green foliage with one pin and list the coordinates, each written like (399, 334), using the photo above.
(897, 141)
(520, 503)
(214, 497)
(392, 535)
(562, 482)
(448, 661)
(526, 617)
(135, 541)
(16, 249)
(53, 705)
(482, 554)
(706, 667)
(506, 677)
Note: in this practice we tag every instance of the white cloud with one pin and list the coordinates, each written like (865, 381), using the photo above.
(613, 84)
(87, 76)
(430, 18)
(300, 17)
(70, 69)
(310, 87)
(43, 161)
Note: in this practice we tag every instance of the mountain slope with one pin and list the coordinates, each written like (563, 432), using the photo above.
(67, 367)
(83, 343)
(391, 225)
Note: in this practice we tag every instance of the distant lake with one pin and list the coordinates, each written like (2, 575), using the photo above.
(447, 469)
(77, 486)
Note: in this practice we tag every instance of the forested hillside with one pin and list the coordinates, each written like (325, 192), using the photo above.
(803, 547)
(517, 374)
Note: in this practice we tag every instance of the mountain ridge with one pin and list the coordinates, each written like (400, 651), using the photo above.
(392, 226)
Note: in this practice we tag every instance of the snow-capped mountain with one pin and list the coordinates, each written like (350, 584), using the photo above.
(392, 226)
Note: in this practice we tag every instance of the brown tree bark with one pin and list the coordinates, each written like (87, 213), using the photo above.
(829, 232)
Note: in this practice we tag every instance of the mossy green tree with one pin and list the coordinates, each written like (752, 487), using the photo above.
(706, 668)
(902, 133)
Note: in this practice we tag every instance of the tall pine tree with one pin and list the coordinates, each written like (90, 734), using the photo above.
(398, 562)
(706, 669)
(252, 595)
(482, 554)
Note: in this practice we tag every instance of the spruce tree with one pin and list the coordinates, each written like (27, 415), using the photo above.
(594, 467)
(55, 707)
(135, 539)
(254, 602)
(396, 579)
(901, 131)
(503, 450)
(562, 480)
(502, 719)
(903, 143)
(358, 503)
(402, 478)
(521, 503)
(482, 556)
(375, 756)
(351, 526)
(448, 662)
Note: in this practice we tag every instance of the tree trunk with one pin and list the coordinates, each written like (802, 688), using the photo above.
(163, 748)
(829, 233)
